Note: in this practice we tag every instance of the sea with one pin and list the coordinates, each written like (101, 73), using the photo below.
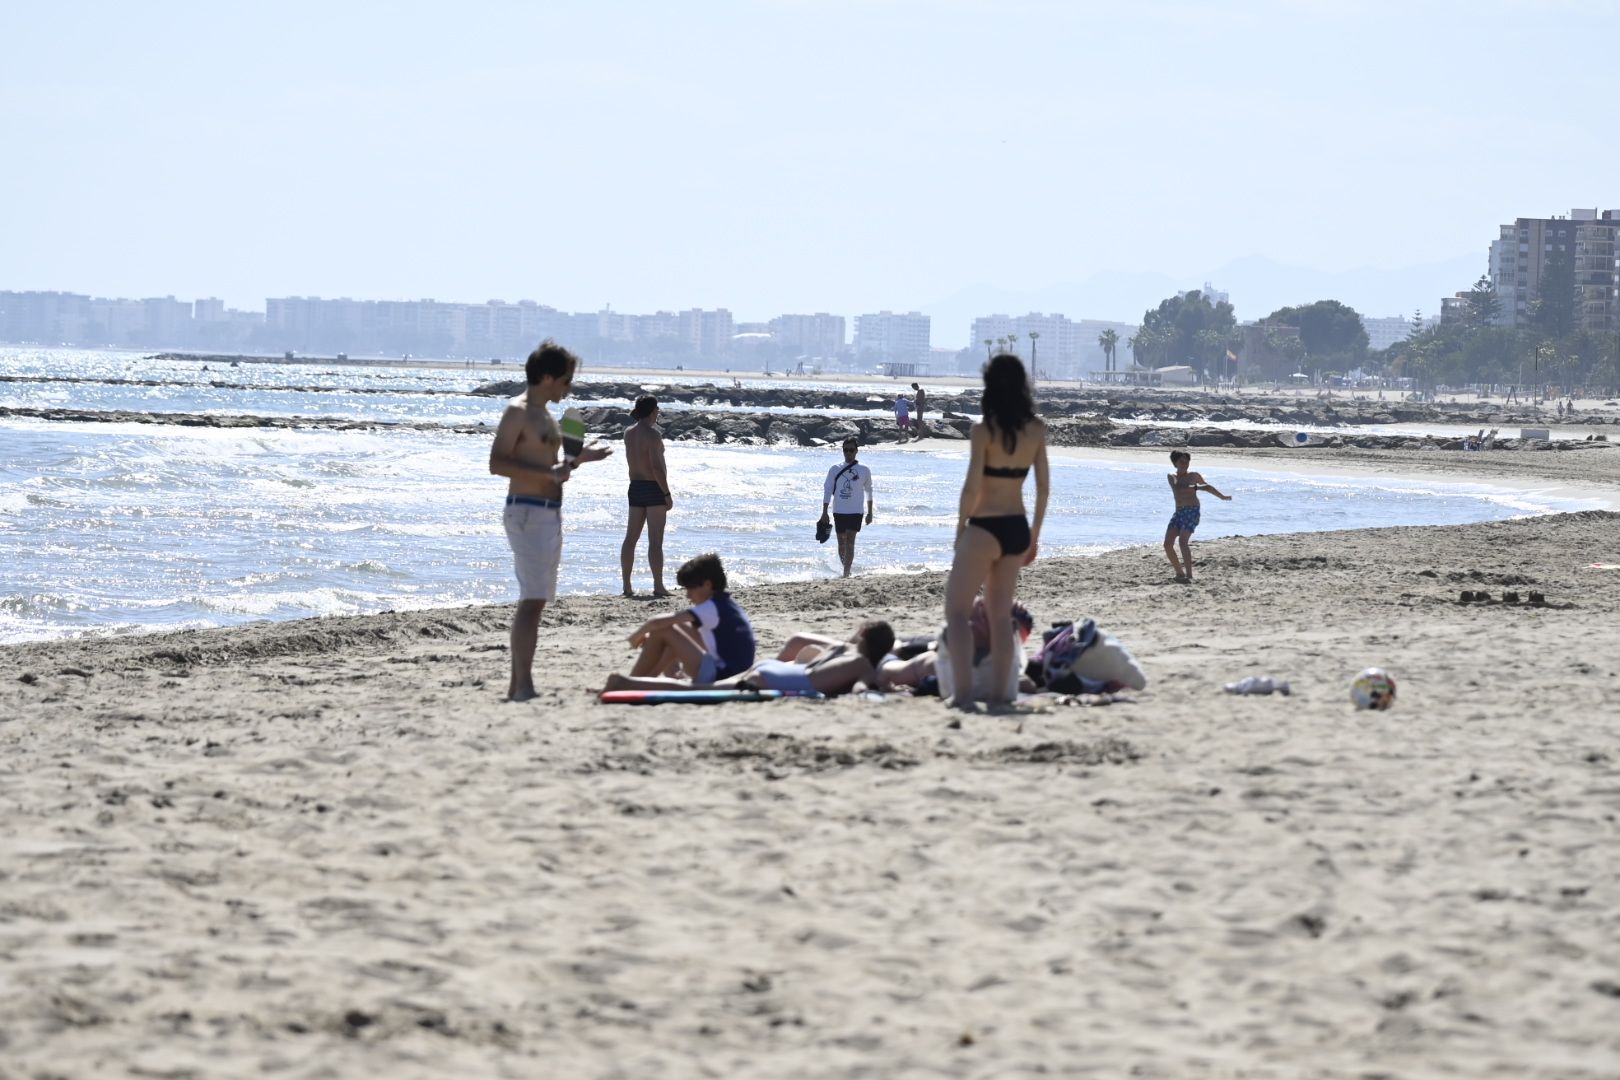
(125, 527)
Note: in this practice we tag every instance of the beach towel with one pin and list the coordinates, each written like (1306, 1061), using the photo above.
(694, 697)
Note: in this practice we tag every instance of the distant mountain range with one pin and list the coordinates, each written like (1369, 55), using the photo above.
(1257, 285)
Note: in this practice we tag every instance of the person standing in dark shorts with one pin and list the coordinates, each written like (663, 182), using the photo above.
(918, 427)
(843, 492)
(650, 499)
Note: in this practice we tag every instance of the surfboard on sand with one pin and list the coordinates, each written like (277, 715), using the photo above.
(693, 697)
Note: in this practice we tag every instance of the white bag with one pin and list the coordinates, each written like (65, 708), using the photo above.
(981, 671)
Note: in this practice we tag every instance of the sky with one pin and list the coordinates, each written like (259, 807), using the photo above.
(791, 156)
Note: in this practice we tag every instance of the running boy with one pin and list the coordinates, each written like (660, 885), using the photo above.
(525, 452)
(708, 641)
(1185, 486)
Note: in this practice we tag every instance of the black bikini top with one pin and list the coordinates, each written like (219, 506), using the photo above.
(1009, 473)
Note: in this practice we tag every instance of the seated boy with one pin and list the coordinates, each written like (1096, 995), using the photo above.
(710, 640)
(835, 669)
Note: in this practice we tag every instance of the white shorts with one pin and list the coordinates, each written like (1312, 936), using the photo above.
(535, 533)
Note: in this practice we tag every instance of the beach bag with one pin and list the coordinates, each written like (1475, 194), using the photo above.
(1084, 659)
(982, 674)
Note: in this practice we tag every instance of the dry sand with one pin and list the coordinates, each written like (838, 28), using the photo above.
(326, 848)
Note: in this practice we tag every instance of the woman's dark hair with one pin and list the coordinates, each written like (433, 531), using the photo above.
(703, 568)
(874, 640)
(1007, 403)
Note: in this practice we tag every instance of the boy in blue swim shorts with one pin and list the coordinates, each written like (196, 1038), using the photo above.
(1185, 486)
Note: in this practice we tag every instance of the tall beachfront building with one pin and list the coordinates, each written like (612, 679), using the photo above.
(1386, 331)
(889, 336)
(820, 335)
(1066, 348)
(1524, 252)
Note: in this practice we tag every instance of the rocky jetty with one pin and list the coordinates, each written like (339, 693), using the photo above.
(1121, 403)
(752, 428)
(237, 420)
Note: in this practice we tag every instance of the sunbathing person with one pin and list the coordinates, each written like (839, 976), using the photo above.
(917, 659)
(833, 668)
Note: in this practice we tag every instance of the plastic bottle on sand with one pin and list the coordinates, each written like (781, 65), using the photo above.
(1258, 684)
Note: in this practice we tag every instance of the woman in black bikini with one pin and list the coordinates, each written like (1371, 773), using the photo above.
(994, 537)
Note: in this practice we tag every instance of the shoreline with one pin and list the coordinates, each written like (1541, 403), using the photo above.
(1550, 476)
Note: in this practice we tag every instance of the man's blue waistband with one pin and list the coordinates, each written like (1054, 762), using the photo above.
(534, 500)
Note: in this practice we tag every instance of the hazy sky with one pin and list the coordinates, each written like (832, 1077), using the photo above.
(779, 156)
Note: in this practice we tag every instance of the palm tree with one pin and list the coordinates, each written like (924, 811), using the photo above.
(987, 343)
(1109, 340)
(1002, 343)
(1034, 371)
(1012, 343)
(1142, 346)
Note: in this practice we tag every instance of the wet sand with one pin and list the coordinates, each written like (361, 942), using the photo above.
(326, 848)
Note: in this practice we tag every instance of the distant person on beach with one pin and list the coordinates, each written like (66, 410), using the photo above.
(919, 427)
(902, 415)
(842, 491)
(1185, 486)
(525, 451)
(828, 668)
(994, 537)
(710, 640)
(650, 498)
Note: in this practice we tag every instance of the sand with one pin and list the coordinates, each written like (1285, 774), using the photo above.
(327, 849)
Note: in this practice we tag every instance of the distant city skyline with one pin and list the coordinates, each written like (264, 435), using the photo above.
(1117, 298)
(777, 155)
(1053, 344)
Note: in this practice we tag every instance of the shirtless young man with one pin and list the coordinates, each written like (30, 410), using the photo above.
(525, 452)
(1185, 486)
(650, 498)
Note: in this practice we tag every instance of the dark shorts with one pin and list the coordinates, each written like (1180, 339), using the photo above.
(646, 493)
(847, 523)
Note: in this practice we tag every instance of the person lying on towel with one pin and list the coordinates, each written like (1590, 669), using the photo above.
(829, 669)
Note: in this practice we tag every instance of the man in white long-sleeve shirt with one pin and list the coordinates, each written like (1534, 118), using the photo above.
(847, 486)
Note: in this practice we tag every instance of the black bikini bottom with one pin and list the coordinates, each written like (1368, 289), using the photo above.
(1011, 531)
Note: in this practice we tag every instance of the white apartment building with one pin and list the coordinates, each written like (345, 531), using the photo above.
(1055, 351)
(1065, 349)
(886, 335)
(1210, 293)
(820, 335)
(708, 332)
(1386, 331)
